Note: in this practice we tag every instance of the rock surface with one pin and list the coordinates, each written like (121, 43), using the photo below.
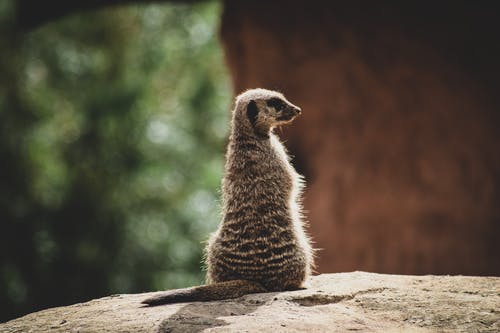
(357, 301)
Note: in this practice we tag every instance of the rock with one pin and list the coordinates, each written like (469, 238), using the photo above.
(358, 301)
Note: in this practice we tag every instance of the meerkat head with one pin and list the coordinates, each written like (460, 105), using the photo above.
(265, 109)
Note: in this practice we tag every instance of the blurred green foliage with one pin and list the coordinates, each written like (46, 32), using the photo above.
(112, 130)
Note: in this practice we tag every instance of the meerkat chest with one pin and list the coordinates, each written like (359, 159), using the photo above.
(281, 159)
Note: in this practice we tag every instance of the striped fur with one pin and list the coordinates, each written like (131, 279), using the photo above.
(261, 237)
(260, 244)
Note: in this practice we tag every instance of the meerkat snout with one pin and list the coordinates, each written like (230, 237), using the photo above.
(288, 113)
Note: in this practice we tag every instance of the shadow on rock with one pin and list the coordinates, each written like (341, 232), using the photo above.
(198, 316)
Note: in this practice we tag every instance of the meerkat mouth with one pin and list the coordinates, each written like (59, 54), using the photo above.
(288, 115)
(286, 118)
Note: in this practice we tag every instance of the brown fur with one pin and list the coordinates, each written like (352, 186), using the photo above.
(260, 244)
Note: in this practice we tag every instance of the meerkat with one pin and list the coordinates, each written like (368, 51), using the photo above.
(260, 245)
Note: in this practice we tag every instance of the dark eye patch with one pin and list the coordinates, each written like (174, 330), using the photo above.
(276, 103)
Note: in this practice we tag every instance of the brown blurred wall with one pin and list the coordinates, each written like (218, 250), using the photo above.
(399, 138)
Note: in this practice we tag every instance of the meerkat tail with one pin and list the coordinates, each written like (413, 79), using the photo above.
(210, 292)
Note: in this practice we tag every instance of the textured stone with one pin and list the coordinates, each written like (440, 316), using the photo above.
(358, 301)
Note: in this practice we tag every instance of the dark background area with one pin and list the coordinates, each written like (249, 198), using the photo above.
(399, 141)
(113, 122)
(112, 129)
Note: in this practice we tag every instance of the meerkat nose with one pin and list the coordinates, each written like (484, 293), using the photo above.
(298, 110)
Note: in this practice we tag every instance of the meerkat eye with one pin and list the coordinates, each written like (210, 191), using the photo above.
(275, 103)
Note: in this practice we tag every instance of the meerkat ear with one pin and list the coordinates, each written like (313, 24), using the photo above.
(252, 112)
